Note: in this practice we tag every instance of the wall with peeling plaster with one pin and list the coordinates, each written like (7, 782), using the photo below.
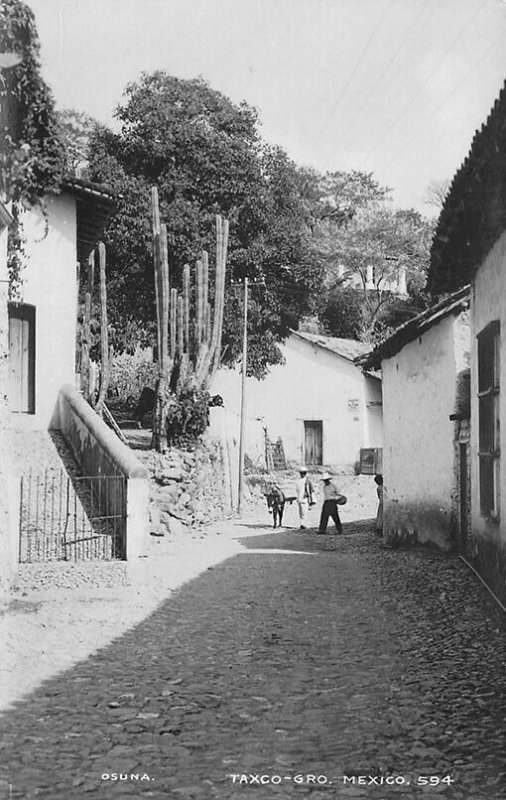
(487, 545)
(419, 393)
(49, 282)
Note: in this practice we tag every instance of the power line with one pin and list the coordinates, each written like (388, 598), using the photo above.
(433, 71)
(354, 70)
(443, 102)
(389, 63)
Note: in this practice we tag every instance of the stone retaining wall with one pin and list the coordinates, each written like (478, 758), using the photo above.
(187, 488)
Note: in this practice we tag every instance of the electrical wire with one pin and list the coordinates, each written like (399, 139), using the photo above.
(442, 103)
(354, 70)
(378, 80)
(424, 83)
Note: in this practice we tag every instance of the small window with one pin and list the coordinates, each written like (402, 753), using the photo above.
(488, 419)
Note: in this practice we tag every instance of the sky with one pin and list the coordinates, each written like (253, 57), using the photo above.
(393, 87)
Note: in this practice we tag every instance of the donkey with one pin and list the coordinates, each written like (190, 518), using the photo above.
(276, 504)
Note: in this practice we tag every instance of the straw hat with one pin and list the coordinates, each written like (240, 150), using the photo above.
(326, 476)
(303, 468)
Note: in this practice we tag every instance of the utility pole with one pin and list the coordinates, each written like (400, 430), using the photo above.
(243, 398)
(242, 429)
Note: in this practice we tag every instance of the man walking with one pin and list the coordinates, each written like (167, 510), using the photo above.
(331, 494)
(304, 489)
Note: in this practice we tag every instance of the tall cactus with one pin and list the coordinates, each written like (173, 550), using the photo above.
(188, 334)
(106, 355)
(165, 356)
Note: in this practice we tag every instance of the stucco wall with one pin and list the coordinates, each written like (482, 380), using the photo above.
(49, 284)
(9, 494)
(100, 453)
(313, 384)
(419, 385)
(487, 545)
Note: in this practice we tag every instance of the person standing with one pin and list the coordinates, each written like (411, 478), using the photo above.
(378, 480)
(304, 489)
(331, 494)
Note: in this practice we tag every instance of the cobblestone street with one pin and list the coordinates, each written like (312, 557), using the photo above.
(304, 659)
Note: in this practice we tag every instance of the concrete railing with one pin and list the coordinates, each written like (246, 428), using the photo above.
(99, 452)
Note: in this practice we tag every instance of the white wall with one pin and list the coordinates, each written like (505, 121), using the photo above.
(49, 283)
(419, 385)
(488, 304)
(313, 384)
(9, 497)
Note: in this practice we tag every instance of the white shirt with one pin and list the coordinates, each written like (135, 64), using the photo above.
(330, 491)
(300, 488)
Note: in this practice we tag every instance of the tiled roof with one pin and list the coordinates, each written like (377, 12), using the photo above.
(95, 203)
(349, 349)
(454, 304)
(473, 216)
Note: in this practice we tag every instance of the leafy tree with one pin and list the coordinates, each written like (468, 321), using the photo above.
(373, 249)
(340, 312)
(76, 130)
(204, 154)
(334, 200)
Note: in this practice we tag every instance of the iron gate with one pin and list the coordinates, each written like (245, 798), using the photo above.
(64, 518)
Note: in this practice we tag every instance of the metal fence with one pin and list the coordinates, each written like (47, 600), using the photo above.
(64, 518)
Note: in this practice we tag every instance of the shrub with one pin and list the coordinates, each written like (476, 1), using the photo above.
(187, 417)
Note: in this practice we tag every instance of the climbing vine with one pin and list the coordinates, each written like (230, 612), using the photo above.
(32, 157)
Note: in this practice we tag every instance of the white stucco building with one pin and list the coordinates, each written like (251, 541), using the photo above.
(319, 402)
(423, 364)
(469, 246)
(487, 545)
(43, 319)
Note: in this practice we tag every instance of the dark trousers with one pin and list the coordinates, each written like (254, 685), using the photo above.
(329, 509)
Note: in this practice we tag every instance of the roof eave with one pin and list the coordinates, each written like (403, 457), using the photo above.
(410, 330)
(95, 205)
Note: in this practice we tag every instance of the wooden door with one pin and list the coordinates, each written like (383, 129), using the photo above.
(313, 442)
(22, 358)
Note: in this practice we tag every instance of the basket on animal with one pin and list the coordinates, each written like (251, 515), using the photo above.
(286, 487)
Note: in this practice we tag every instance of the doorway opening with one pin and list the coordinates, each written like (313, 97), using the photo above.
(22, 358)
(313, 442)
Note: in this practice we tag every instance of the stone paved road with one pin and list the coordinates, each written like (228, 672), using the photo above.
(301, 656)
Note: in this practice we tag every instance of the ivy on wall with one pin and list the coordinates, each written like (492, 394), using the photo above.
(32, 153)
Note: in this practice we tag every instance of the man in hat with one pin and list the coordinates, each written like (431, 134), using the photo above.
(331, 494)
(304, 489)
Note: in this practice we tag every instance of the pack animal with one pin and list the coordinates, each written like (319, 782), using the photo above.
(276, 505)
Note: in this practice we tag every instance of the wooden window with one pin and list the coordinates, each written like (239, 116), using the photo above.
(488, 419)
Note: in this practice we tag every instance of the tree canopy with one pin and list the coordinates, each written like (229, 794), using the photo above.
(307, 241)
(204, 154)
(370, 253)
